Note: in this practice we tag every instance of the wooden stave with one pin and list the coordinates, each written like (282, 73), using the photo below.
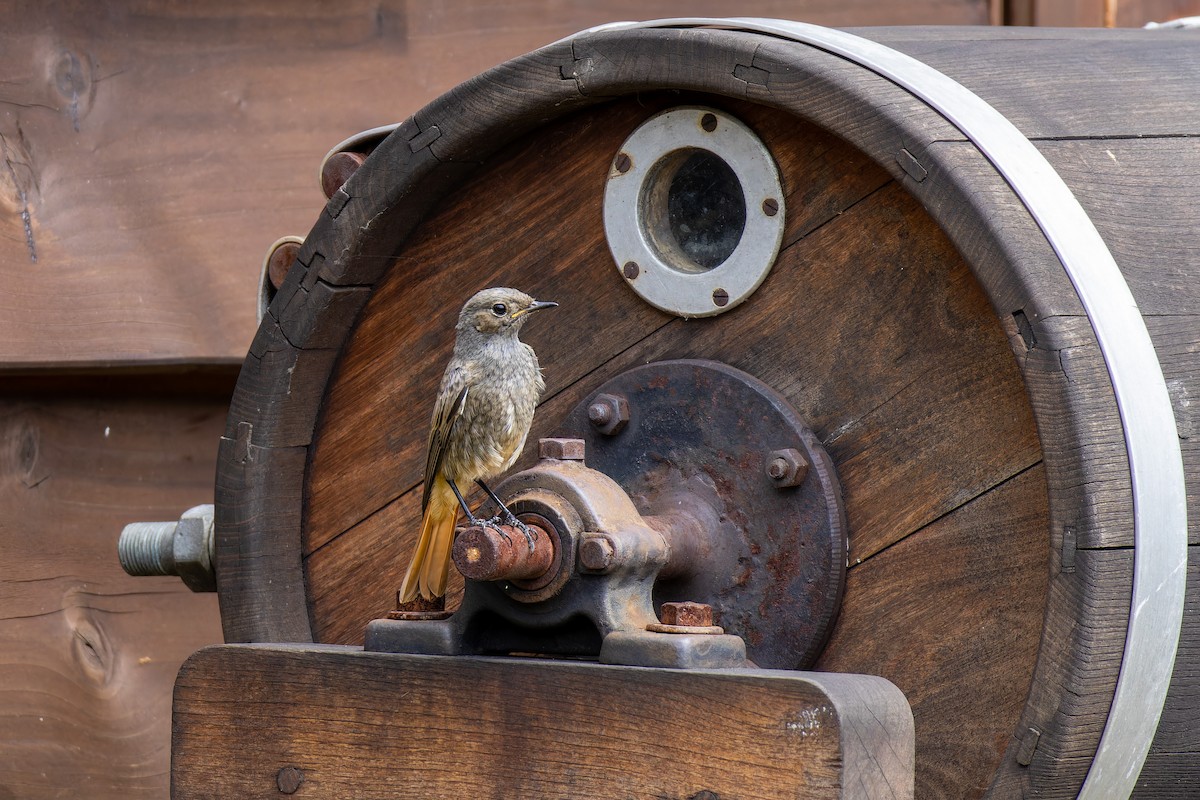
(1037, 289)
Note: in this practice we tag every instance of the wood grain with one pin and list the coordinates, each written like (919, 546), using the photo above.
(1112, 84)
(467, 727)
(557, 187)
(952, 616)
(88, 655)
(111, 188)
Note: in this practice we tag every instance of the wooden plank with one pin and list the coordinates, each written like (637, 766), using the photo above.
(471, 727)
(1106, 83)
(1083, 639)
(1140, 194)
(119, 190)
(88, 654)
(259, 571)
(953, 616)
(1063, 369)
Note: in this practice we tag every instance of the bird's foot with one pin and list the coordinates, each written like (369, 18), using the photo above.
(506, 517)
(530, 535)
(495, 524)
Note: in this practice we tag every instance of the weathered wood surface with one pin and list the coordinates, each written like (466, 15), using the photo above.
(1096, 13)
(88, 655)
(378, 725)
(951, 608)
(112, 187)
(1110, 84)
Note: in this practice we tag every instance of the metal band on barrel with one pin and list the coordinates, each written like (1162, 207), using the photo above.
(1155, 461)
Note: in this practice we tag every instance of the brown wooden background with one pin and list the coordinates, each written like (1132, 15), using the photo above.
(149, 153)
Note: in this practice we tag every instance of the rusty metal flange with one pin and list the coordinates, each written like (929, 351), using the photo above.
(701, 433)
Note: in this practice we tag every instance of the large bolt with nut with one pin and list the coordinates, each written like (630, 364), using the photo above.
(608, 413)
(184, 548)
(786, 468)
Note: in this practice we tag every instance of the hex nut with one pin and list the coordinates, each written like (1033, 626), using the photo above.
(687, 613)
(193, 549)
(596, 553)
(561, 449)
(786, 468)
(609, 413)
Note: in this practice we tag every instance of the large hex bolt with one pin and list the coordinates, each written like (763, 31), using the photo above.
(183, 548)
(609, 413)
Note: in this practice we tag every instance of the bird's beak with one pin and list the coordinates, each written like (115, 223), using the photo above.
(536, 305)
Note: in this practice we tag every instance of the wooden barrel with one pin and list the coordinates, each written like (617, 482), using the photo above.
(1004, 391)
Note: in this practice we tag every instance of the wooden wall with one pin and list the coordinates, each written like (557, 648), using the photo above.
(149, 153)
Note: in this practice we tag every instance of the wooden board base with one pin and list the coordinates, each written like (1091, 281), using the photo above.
(251, 720)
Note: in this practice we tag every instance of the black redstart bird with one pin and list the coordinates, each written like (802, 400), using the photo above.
(482, 416)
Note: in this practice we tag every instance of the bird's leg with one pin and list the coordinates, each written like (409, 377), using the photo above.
(509, 517)
(471, 518)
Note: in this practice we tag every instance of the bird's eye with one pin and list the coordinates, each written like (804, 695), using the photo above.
(499, 309)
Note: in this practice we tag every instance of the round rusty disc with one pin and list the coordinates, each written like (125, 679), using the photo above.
(704, 432)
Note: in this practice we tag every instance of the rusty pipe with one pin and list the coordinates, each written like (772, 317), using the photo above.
(688, 528)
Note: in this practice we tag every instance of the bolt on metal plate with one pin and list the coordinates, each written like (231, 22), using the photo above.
(703, 433)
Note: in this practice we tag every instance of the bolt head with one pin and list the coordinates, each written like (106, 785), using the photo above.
(337, 169)
(596, 553)
(289, 779)
(561, 449)
(786, 468)
(693, 615)
(193, 549)
(608, 413)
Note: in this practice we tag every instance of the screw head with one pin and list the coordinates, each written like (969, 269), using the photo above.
(622, 163)
(631, 270)
(288, 779)
(720, 298)
(708, 122)
(280, 262)
(770, 206)
(608, 413)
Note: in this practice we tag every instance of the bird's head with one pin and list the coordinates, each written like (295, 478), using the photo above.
(499, 310)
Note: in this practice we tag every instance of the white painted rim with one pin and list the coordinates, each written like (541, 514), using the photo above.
(658, 277)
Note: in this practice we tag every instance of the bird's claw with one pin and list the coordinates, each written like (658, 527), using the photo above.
(495, 524)
(530, 536)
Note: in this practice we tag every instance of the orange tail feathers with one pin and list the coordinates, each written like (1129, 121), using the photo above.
(431, 564)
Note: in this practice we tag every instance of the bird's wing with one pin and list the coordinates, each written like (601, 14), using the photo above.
(452, 399)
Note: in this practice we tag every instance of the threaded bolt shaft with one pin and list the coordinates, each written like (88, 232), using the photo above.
(147, 548)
